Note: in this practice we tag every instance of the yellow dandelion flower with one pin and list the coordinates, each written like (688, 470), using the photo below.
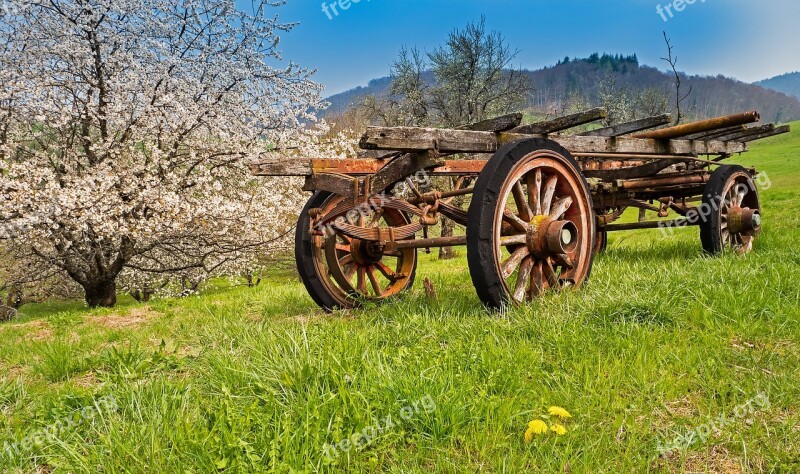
(558, 429)
(535, 427)
(559, 412)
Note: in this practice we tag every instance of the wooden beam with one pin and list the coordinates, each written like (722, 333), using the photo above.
(679, 131)
(379, 154)
(630, 127)
(748, 132)
(353, 168)
(778, 131)
(498, 124)
(714, 133)
(460, 141)
(562, 123)
(400, 167)
(336, 183)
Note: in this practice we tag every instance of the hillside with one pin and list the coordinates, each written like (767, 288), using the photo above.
(711, 96)
(789, 84)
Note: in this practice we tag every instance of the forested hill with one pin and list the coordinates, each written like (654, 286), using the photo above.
(788, 84)
(587, 79)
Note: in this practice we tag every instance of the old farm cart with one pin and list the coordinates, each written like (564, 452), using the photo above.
(540, 201)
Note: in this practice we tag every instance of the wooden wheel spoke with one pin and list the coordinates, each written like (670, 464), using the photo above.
(519, 239)
(521, 201)
(560, 207)
(515, 221)
(535, 192)
(550, 275)
(513, 261)
(376, 218)
(549, 192)
(386, 271)
(563, 260)
(523, 279)
(740, 198)
(361, 281)
(373, 279)
(537, 280)
(343, 247)
(346, 260)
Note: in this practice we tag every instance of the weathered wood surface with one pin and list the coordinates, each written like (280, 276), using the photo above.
(692, 128)
(748, 132)
(562, 123)
(378, 154)
(459, 141)
(336, 183)
(778, 131)
(714, 133)
(630, 127)
(628, 172)
(498, 124)
(355, 167)
(400, 167)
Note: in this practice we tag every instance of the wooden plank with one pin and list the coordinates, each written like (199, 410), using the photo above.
(379, 154)
(498, 124)
(308, 167)
(563, 123)
(400, 167)
(630, 127)
(414, 139)
(778, 131)
(458, 141)
(748, 132)
(336, 183)
(714, 133)
(679, 131)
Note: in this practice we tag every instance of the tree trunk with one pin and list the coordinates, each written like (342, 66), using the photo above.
(448, 226)
(101, 293)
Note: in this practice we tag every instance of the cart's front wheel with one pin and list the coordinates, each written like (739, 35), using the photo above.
(730, 217)
(532, 226)
(341, 272)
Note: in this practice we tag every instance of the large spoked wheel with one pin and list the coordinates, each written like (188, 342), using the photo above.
(532, 227)
(730, 217)
(342, 272)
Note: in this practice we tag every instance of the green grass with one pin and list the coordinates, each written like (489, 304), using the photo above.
(661, 341)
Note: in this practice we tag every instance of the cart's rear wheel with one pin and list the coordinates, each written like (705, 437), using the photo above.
(601, 242)
(730, 217)
(532, 227)
(341, 272)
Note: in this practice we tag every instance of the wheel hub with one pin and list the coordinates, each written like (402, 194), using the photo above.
(743, 220)
(547, 237)
(366, 252)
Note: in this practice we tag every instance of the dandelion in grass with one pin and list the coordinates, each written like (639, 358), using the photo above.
(559, 412)
(535, 427)
(558, 429)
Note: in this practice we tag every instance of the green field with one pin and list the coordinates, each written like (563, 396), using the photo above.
(661, 343)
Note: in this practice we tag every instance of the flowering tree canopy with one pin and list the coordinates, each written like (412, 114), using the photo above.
(125, 131)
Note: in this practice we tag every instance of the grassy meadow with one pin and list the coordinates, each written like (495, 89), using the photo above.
(667, 361)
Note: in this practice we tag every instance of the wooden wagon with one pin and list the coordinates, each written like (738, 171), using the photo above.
(537, 202)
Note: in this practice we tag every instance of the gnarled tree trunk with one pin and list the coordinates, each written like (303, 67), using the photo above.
(102, 293)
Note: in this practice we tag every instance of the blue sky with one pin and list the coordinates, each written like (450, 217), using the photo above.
(746, 39)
